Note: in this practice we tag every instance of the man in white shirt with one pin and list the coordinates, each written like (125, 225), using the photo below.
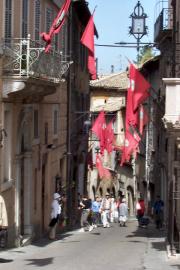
(105, 209)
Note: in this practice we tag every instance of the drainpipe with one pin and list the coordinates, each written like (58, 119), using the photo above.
(69, 90)
(147, 168)
(174, 40)
(173, 3)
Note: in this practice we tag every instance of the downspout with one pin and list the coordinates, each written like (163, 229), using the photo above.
(69, 90)
(174, 40)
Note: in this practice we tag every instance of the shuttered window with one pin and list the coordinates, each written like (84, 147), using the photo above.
(37, 19)
(36, 123)
(8, 19)
(24, 18)
(48, 19)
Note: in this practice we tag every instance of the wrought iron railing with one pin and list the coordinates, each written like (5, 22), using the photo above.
(27, 58)
(163, 22)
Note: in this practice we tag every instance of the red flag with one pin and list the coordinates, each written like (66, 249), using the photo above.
(139, 87)
(131, 116)
(103, 172)
(131, 143)
(87, 40)
(109, 137)
(57, 25)
(99, 128)
(143, 119)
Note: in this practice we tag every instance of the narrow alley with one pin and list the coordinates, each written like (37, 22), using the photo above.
(127, 248)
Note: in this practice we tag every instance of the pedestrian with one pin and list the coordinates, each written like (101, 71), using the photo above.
(85, 205)
(116, 210)
(158, 209)
(140, 210)
(95, 212)
(105, 210)
(123, 213)
(55, 213)
(112, 209)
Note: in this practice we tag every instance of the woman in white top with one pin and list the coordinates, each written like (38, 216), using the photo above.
(55, 212)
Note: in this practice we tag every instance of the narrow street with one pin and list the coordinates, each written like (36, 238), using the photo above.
(127, 248)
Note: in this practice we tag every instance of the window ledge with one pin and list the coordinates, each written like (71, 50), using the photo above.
(6, 185)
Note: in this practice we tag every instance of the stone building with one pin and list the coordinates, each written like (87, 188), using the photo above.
(166, 37)
(108, 93)
(38, 91)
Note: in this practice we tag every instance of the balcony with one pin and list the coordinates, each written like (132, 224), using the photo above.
(163, 25)
(172, 108)
(25, 58)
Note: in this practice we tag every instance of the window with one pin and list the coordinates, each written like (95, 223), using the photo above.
(46, 133)
(64, 40)
(7, 168)
(37, 19)
(35, 189)
(8, 19)
(24, 18)
(55, 120)
(48, 19)
(36, 123)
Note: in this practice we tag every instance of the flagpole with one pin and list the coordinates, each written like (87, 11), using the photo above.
(134, 181)
(147, 168)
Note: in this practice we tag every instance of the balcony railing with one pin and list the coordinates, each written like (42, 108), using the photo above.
(25, 58)
(163, 23)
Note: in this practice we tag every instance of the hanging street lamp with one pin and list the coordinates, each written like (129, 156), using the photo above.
(138, 27)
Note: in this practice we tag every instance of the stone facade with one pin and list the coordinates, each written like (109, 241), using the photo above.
(109, 94)
(167, 38)
(36, 119)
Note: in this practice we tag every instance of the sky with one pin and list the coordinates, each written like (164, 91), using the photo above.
(112, 22)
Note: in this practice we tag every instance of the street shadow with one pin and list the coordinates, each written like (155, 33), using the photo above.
(5, 260)
(40, 262)
(96, 233)
(157, 236)
(16, 251)
(176, 265)
(136, 241)
(45, 241)
(159, 245)
(69, 242)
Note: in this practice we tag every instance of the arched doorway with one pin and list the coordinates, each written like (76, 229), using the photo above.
(130, 200)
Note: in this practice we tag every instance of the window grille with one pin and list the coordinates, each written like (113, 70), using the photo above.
(8, 19)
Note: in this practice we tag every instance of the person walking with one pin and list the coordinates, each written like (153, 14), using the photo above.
(158, 209)
(55, 213)
(95, 212)
(123, 213)
(140, 210)
(85, 205)
(105, 210)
